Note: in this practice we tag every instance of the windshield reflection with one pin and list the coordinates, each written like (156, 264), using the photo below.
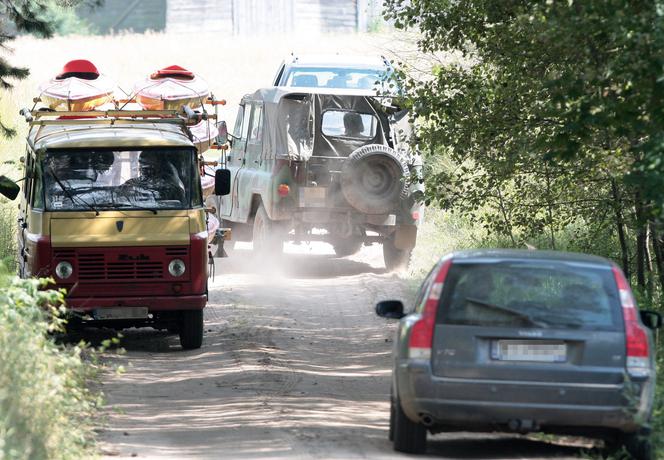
(104, 179)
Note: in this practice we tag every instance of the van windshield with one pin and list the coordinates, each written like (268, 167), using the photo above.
(103, 179)
(530, 294)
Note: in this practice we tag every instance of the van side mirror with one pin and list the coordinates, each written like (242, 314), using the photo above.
(651, 319)
(392, 309)
(9, 188)
(222, 182)
(222, 136)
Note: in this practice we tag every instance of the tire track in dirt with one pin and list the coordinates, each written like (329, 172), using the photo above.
(294, 364)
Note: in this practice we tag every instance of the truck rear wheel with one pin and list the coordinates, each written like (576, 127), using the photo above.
(267, 237)
(346, 247)
(191, 329)
(395, 259)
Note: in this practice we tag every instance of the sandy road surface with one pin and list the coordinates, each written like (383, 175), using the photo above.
(294, 365)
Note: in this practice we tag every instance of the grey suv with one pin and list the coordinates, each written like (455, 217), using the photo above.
(523, 341)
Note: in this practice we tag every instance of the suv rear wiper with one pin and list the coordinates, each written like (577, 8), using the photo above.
(516, 313)
(72, 197)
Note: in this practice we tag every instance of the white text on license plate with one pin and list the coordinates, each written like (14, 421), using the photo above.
(120, 313)
(529, 350)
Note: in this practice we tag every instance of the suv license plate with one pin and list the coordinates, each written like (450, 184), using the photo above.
(313, 197)
(529, 350)
(120, 313)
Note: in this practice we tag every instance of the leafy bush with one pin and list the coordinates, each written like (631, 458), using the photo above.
(45, 406)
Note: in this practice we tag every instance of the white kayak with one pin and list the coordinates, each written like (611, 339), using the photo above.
(170, 88)
(204, 134)
(78, 87)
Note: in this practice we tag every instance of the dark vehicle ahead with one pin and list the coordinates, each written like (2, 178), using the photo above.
(523, 341)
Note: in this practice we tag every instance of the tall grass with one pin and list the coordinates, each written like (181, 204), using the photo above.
(45, 406)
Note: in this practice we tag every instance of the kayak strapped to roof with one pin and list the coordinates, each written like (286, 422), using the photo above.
(78, 87)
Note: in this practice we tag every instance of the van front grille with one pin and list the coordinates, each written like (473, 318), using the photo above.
(121, 264)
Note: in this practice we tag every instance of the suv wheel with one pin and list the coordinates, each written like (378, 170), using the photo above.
(395, 259)
(266, 233)
(393, 414)
(639, 446)
(346, 247)
(409, 437)
(191, 329)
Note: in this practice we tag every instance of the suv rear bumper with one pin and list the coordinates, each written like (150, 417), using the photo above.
(529, 406)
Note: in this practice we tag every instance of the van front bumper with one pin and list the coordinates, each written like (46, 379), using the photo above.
(154, 304)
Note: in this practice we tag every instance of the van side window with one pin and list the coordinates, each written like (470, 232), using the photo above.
(37, 189)
(257, 124)
(27, 186)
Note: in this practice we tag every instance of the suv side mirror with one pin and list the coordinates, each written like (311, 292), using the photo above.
(9, 188)
(222, 182)
(392, 309)
(222, 136)
(651, 319)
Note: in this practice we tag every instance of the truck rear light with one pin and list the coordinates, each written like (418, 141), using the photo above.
(636, 337)
(283, 190)
(421, 333)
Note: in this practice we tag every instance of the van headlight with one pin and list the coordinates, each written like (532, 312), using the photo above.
(64, 270)
(176, 267)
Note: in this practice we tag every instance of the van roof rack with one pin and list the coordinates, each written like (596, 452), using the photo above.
(185, 117)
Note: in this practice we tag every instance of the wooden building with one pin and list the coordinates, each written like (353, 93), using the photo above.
(238, 17)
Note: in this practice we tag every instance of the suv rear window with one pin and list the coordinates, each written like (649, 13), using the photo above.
(530, 294)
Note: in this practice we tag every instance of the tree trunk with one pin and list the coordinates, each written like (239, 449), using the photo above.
(620, 224)
(641, 240)
(659, 256)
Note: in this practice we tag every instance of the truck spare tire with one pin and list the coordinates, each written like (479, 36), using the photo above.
(373, 179)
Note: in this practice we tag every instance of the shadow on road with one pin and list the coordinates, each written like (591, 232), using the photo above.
(488, 446)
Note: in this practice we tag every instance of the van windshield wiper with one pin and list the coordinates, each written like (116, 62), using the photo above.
(72, 197)
(128, 205)
(516, 313)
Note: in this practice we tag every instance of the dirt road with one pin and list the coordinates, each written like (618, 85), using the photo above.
(294, 365)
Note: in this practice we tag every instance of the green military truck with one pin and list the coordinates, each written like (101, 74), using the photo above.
(323, 164)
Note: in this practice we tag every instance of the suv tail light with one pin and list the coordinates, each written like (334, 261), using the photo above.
(421, 333)
(636, 337)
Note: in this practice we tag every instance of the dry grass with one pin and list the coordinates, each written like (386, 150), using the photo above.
(232, 65)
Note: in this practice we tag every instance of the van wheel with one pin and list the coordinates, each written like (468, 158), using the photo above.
(266, 234)
(191, 329)
(395, 259)
(639, 446)
(409, 437)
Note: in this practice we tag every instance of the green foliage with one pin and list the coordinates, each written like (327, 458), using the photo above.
(66, 21)
(548, 131)
(44, 402)
(554, 102)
